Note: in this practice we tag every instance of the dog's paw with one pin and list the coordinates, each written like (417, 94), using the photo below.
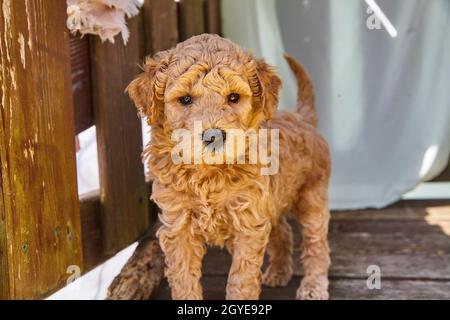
(313, 288)
(274, 277)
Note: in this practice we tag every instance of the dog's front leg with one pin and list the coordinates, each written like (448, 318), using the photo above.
(244, 279)
(183, 256)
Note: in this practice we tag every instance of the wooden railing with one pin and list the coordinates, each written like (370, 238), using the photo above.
(54, 86)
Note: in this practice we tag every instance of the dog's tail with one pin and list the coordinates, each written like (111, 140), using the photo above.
(306, 104)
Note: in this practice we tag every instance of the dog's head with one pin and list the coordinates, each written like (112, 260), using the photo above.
(208, 79)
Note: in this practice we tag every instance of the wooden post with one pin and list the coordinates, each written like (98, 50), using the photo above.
(81, 82)
(39, 213)
(161, 25)
(213, 16)
(123, 193)
(192, 18)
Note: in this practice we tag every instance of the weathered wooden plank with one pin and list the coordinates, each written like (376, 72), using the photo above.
(192, 18)
(39, 213)
(363, 243)
(91, 226)
(409, 241)
(123, 192)
(419, 266)
(81, 82)
(427, 210)
(340, 289)
(413, 255)
(213, 16)
(348, 289)
(392, 227)
(388, 237)
(408, 267)
(91, 230)
(406, 228)
(161, 25)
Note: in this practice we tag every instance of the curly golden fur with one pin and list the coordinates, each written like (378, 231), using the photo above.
(234, 206)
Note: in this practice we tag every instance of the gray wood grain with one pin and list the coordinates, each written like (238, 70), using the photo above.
(409, 241)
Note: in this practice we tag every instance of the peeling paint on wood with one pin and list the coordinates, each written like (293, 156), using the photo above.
(6, 7)
(21, 41)
(37, 153)
(12, 74)
(28, 13)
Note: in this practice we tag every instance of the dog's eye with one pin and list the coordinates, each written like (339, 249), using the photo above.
(234, 98)
(186, 100)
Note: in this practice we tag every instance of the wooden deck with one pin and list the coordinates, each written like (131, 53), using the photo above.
(409, 241)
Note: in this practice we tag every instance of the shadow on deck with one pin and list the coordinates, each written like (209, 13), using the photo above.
(409, 242)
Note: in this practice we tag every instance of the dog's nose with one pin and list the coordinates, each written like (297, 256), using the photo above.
(211, 135)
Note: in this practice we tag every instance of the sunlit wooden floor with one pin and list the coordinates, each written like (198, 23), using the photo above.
(409, 242)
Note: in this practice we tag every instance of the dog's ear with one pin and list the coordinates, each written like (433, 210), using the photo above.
(147, 90)
(270, 84)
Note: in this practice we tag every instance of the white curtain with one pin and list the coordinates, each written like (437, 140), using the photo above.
(383, 101)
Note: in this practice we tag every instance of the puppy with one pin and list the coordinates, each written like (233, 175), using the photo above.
(210, 80)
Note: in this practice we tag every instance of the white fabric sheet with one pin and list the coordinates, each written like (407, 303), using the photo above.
(384, 103)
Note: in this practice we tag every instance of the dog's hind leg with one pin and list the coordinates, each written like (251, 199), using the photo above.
(313, 216)
(279, 271)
